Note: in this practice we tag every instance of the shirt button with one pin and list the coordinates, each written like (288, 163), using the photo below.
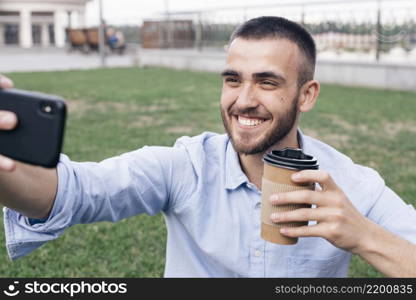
(257, 253)
(257, 205)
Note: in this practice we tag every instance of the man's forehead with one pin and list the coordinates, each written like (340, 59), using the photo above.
(261, 55)
(262, 45)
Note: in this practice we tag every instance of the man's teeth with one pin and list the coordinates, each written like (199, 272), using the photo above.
(249, 122)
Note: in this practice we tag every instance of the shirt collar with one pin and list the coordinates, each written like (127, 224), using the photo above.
(301, 140)
(234, 175)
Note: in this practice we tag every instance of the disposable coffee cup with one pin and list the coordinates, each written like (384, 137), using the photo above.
(279, 165)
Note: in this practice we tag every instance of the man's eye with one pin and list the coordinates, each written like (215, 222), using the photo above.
(267, 82)
(230, 79)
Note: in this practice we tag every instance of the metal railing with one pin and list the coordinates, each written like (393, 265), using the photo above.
(374, 27)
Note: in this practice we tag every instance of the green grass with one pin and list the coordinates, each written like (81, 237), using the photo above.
(117, 110)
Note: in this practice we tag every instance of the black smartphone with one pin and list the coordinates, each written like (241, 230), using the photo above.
(38, 136)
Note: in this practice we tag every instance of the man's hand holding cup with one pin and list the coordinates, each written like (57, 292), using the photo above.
(338, 221)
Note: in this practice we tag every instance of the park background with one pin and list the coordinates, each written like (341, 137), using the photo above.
(121, 102)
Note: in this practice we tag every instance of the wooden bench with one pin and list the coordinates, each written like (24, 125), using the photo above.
(87, 39)
(77, 39)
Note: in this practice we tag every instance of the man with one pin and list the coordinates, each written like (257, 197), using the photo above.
(116, 41)
(207, 186)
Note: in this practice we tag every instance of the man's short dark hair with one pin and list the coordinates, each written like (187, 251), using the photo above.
(278, 27)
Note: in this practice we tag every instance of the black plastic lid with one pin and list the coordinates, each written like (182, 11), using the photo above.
(291, 158)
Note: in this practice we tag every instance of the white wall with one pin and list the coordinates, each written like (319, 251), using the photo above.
(379, 75)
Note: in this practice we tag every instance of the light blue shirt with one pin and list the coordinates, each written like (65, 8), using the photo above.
(212, 211)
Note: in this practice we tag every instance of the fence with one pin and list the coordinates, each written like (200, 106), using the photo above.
(372, 27)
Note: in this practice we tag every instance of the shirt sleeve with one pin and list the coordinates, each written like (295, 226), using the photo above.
(393, 214)
(116, 188)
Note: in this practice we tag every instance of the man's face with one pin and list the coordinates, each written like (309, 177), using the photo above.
(260, 93)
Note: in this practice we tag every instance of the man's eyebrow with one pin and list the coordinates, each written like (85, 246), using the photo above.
(269, 74)
(229, 72)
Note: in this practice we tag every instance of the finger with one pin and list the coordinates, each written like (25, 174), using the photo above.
(8, 120)
(303, 231)
(6, 164)
(300, 215)
(319, 176)
(297, 197)
(5, 83)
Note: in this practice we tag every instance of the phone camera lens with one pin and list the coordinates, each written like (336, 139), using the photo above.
(47, 108)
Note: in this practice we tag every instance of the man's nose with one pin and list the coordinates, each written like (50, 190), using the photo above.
(247, 97)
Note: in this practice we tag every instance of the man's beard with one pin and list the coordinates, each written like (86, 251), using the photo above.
(283, 126)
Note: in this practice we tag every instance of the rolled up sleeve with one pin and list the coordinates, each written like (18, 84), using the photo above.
(22, 237)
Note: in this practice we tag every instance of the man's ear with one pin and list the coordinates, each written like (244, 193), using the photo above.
(308, 95)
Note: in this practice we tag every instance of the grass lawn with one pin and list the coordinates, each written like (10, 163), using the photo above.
(117, 110)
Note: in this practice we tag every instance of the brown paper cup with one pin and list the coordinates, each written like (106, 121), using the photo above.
(277, 180)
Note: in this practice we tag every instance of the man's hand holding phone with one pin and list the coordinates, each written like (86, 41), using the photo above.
(31, 127)
(29, 189)
(8, 121)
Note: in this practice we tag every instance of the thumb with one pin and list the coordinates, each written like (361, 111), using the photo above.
(5, 83)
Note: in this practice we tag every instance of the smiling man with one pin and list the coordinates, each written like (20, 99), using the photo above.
(267, 83)
(260, 96)
(208, 186)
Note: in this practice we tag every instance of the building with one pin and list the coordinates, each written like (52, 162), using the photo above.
(30, 22)
(168, 34)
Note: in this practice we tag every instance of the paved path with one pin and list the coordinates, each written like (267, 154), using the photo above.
(14, 59)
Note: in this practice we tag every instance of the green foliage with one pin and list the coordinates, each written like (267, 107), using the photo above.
(112, 111)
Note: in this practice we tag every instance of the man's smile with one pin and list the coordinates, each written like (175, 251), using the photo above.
(246, 122)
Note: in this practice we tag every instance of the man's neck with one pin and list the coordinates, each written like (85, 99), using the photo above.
(252, 165)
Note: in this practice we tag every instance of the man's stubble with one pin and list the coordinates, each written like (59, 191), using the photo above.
(284, 124)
